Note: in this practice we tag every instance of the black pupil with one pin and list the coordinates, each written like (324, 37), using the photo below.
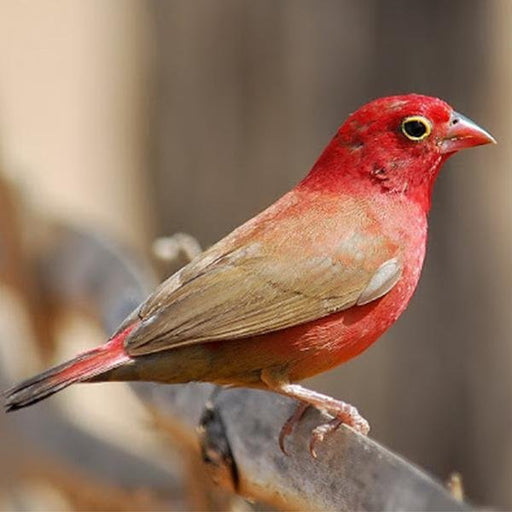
(415, 128)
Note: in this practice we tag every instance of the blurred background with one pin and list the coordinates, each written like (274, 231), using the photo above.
(143, 118)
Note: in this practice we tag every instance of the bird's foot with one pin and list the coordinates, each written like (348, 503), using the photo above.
(348, 415)
(290, 424)
(341, 412)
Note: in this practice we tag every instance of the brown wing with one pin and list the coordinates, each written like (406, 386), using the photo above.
(242, 288)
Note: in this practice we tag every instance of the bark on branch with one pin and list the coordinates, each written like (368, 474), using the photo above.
(239, 428)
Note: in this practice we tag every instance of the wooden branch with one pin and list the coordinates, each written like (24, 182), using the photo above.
(39, 443)
(239, 428)
(43, 430)
(86, 271)
(352, 472)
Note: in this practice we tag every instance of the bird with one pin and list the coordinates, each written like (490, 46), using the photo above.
(302, 287)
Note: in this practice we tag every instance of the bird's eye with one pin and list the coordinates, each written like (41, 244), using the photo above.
(416, 128)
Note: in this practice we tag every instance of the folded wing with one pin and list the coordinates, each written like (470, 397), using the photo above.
(246, 286)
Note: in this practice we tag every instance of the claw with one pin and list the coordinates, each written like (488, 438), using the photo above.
(318, 434)
(290, 424)
(349, 416)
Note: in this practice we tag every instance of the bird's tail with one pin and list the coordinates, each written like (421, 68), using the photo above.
(84, 367)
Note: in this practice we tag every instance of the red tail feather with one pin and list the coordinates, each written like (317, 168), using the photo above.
(82, 368)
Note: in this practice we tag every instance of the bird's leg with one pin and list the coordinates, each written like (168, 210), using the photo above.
(342, 411)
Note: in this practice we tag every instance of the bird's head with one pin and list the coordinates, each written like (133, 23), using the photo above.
(396, 144)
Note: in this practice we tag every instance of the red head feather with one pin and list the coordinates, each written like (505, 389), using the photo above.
(395, 145)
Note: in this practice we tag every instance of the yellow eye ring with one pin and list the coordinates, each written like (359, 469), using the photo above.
(416, 128)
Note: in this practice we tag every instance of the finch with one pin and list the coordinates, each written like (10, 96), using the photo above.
(304, 286)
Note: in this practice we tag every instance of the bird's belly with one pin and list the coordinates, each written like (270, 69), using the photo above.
(340, 337)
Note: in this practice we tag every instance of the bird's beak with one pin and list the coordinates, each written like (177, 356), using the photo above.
(463, 133)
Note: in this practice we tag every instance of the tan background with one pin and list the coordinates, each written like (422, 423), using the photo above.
(138, 118)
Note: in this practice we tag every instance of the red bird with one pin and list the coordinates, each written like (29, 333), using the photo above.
(307, 284)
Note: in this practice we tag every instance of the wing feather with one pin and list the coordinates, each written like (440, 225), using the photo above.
(249, 285)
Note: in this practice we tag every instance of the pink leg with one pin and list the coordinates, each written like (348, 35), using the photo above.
(341, 411)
